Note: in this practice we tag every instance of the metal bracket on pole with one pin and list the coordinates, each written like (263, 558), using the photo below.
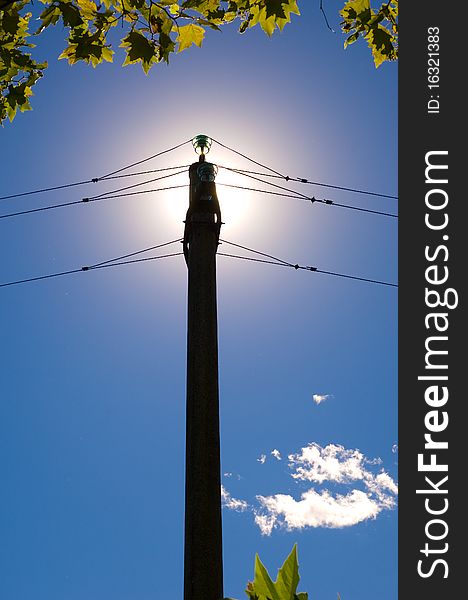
(203, 200)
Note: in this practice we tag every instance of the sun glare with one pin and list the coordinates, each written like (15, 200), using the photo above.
(234, 202)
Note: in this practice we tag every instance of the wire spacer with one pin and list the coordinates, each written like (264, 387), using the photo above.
(311, 268)
(85, 200)
(328, 201)
(313, 199)
(95, 179)
(296, 267)
(303, 180)
(85, 268)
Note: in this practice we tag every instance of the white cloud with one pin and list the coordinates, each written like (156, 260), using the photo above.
(276, 453)
(383, 487)
(315, 509)
(265, 523)
(395, 448)
(319, 398)
(349, 489)
(332, 463)
(374, 461)
(232, 503)
(367, 493)
(227, 474)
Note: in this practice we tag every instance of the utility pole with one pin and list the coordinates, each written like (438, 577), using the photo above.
(203, 562)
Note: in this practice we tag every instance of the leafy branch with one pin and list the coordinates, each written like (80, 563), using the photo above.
(378, 27)
(153, 31)
(284, 588)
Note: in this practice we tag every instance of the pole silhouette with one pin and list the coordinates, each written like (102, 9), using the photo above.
(203, 567)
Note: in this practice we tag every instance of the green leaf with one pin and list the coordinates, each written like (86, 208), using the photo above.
(288, 576)
(10, 21)
(285, 586)
(70, 14)
(188, 35)
(140, 49)
(262, 584)
(275, 8)
(380, 41)
(351, 39)
(49, 16)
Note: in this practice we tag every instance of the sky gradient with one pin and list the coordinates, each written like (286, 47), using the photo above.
(93, 387)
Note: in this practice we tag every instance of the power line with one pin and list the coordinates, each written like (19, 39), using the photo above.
(117, 261)
(144, 172)
(272, 173)
(285, 262)
(50, 189)
(34, 210)
(90, 268)
(111, 260)
(249, 189)
(303, 180)
(139, 162)
(17, 282)
(248, 158)
(128, 187)
(112, 175)
(171, 187)
(298, 179)
(87, 200)
(94, 180)
(282, 263)
(312, 199)
(314, 269)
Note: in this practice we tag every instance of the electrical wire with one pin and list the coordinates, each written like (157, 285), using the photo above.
(272, 173)
(170, 187)
(34, 210)
(299, 179)
(312, 199)
(117, 261)
(243, 187)
(102, 265)
(111, 260)
(129, 187)
(282, 263)
(92, 199)
(112, 175)
(145, 172)
(94, 180)
(139, 162)
(280, 260)
(302, 180)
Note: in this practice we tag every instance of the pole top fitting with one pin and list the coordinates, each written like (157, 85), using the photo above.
(201, 144)
(207, 172)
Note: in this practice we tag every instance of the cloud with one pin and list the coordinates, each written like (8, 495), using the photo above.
(265, 523)
(348, 488)
(332, 463)
(315, 509)
(262, 459)
(229, 474)
(368, 493)
(276, 453)
(319, 398)
(395, 448)
(231, 503)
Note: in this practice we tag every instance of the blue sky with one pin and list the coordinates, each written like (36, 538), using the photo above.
(93, 386)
